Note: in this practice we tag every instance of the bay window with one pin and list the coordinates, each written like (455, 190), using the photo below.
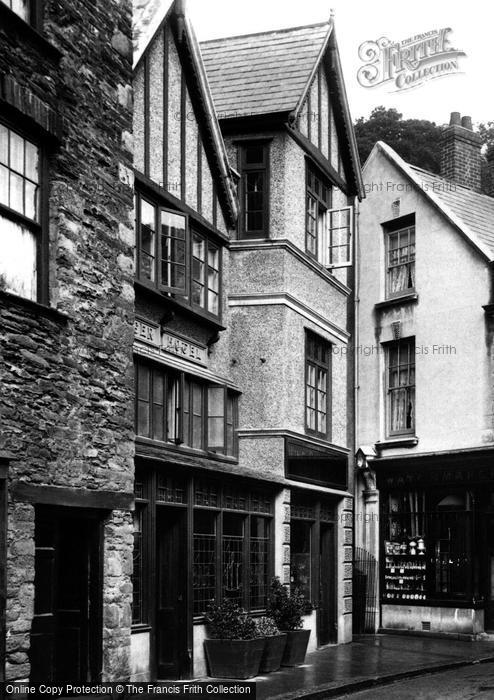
(317, 375)
(177, 259)
(20, 231)
(177, 408)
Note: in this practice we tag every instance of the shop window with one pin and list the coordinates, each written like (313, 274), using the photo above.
(137, 572)
(400, 255)
(176, 408)
(204, 568)
(237, 563)
(20, 178)
(300, 557)
(254, 165)
(233, 556)
(426, 547)
(400, 357)
(259, 561)
(176, 259)
(317, 385)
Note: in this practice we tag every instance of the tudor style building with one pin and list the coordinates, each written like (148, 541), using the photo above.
(66, 313)
(190, 544)
(283, 112)
(425, 400)
(243, 305)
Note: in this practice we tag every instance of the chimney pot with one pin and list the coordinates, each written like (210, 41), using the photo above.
(461, 161)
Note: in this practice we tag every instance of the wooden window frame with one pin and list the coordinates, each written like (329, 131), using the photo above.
(246, 168)
(208, 245)
(182, 294)
(397, 345)
(406, 223)
(180, 439)
(35, 13)
(39, 226)
(311, 361)
(315, 184)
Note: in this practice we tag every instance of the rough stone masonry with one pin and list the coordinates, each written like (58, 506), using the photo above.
(66, 379)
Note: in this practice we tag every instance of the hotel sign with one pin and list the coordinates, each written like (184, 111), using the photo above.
(169, 343)
(183, 347)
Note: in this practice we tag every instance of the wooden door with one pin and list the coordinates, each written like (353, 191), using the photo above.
(489, 609)
(326, 630)
(171, 624)
(65, 631)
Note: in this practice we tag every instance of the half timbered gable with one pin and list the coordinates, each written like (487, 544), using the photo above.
(178, 145)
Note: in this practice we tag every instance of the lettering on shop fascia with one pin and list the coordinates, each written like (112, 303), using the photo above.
(183, 347)
(170, 343)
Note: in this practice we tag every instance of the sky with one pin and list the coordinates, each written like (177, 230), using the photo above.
(469, 90)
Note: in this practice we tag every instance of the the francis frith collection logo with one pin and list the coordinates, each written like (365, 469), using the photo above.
(408, 63)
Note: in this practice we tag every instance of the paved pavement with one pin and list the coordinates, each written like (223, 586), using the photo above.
(474, 682)
(368, 661)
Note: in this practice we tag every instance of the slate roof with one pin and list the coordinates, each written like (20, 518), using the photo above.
(262, 73)
(469, 211)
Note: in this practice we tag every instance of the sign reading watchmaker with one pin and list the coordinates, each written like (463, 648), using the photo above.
(408, 63)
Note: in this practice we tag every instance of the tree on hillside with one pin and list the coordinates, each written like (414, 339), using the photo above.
(417, 141)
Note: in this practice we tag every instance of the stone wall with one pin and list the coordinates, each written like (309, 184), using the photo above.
(66, 403)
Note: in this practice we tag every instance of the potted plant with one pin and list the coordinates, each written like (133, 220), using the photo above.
(234, 649)
(275, 644)
(287, 609)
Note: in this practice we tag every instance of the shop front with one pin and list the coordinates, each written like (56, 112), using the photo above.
(437, 544)
(198, 536)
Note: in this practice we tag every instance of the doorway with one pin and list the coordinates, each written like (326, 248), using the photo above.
(173, 660)
(66, 630)
(489, 607)
(326, 624)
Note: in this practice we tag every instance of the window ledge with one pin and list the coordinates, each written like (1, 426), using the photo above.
(11, 21)
(34, 306)
(185, 450)
(409, 298)
(405, 441)
(172, 303)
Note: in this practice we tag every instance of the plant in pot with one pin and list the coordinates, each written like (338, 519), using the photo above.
(287, 608)
(275, 644)
(233, 649)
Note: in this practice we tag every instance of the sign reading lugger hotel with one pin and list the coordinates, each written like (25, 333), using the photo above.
(171, 343)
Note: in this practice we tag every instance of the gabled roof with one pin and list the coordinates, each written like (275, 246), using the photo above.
(272, 73)
(472, 214)
(263, 73)
(188, 47)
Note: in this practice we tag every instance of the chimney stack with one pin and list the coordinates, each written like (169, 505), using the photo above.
(490, 173)
(460, 153)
